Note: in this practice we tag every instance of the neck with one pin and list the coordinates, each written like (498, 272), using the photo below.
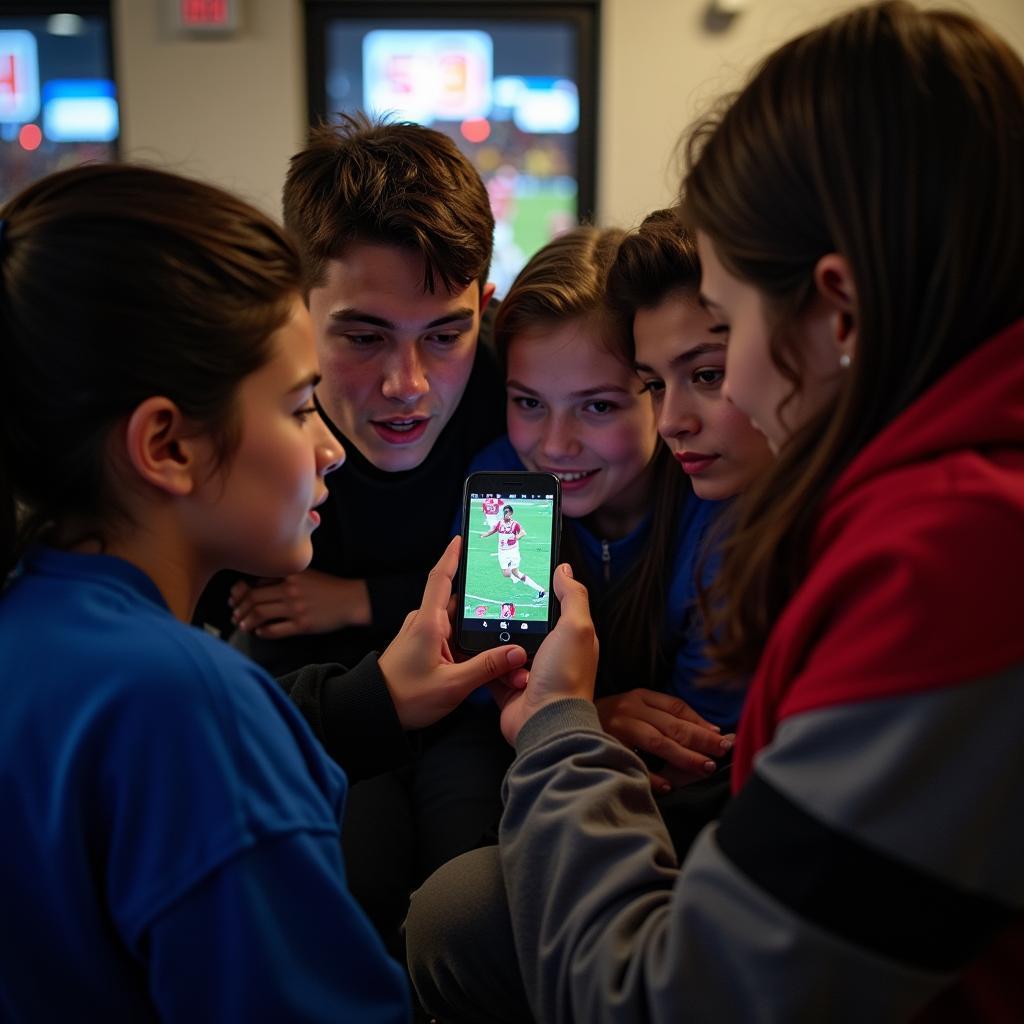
(162, 556)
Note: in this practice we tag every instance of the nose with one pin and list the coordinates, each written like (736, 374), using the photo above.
(330, 455)
(558, 440)
(676, 417)
(405, 379)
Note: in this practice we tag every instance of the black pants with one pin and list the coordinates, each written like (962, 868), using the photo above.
(462, 956)
(401, 826)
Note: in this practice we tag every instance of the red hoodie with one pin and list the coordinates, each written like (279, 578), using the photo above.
(916, 569)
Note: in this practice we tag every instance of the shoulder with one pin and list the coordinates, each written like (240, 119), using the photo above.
(191, 691)
(914, 584)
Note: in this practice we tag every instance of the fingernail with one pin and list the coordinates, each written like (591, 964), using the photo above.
(708, 767)
(567, 569)
(664, 788)
(726, 744)
(515, 656)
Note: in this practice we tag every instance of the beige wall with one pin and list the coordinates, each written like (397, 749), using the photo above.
(233, 110)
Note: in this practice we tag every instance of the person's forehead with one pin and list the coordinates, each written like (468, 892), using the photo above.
(395, 273)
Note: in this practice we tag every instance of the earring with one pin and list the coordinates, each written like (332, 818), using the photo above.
(844, 361)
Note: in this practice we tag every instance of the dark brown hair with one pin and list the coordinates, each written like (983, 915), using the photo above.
(567, 280)
(395, 183)
(118, 283)
(657, 258)
(893, 137)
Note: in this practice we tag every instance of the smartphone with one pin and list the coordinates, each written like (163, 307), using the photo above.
(511, 523)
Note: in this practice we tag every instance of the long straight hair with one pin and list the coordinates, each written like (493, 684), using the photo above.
(894, 137)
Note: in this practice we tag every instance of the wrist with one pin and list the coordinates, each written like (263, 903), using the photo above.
(557, 714)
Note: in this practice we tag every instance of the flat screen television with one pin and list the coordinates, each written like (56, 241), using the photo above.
(513, 83)
(58, 101)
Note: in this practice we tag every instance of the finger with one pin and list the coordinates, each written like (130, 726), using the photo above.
(277, 630)
(676, 707)
(659, 783)
(688, 734)
(684, 755)
(261, 614)
(238, 592)
(571, 594)
(517, 679)
(439, 583)
(501, 693)
(485, 667)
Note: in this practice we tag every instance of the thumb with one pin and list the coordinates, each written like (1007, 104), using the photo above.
(571, 594)
(482, 668)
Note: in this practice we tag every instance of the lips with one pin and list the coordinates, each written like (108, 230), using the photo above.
(693, 462)
(401, 431)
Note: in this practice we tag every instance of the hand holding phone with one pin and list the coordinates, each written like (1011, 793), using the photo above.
(511, 523)
(565, 666)
(424, 681)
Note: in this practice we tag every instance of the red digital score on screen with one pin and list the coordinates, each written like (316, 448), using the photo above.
(203, 13)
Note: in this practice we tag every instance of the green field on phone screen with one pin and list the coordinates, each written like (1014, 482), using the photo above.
(486, 587)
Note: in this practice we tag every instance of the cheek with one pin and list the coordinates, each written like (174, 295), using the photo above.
(629, 446)
(448, 375)
(523, 433)
(742, 372)
(741, 442)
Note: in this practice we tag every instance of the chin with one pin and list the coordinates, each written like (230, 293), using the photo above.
(714, 490)
(397, 461)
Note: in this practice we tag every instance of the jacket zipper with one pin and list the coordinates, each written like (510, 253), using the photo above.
(606, 560)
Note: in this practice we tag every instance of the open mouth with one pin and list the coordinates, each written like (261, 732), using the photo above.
(401, 431)
(575, 479)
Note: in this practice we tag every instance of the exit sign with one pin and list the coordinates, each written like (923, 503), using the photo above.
(207, 15)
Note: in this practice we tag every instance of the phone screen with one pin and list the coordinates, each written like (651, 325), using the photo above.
(511, 523)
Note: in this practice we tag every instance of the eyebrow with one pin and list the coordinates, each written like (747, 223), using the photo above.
(601, 389)
(351, 315)
(688, 356)
(309, 381)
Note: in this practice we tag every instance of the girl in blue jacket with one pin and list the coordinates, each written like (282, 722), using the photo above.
(171, 826)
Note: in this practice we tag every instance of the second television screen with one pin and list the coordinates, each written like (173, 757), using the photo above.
(507, 92)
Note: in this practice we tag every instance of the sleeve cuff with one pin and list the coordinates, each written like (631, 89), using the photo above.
(362, 730)
(571, 714)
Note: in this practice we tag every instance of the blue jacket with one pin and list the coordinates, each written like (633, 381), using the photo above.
(171, 826)
(609, 561)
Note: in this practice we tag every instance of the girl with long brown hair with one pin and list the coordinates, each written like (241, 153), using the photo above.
(634, 524)
(860, 218)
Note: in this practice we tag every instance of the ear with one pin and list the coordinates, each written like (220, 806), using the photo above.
(486, 295)
(160, 450)
(834, 282)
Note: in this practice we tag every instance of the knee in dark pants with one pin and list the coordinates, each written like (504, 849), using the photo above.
(461, 954)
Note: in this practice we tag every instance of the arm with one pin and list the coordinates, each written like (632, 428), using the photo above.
(791, 909)
(871, 857)
(352, 714)
(361, 716)
(273, 935)
(493, 529)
